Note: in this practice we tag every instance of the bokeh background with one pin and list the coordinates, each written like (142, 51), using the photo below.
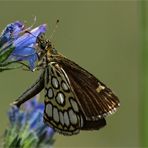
(104, 37)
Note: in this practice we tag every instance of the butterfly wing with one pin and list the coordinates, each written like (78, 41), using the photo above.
(94, 98)
(62, 111)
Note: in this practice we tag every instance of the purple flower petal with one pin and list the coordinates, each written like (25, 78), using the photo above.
(31, 104)
(26, 54)
(11, 32)
(32, 116)
(29, 38)
(24, 46)
(13, 112)
(36, 120)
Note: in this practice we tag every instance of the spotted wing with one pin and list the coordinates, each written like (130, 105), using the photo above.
(95, 99)
(61, 109)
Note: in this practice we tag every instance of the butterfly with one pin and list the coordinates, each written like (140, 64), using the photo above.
(74, 99)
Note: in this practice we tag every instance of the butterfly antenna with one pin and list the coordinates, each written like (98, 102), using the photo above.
(54, 30)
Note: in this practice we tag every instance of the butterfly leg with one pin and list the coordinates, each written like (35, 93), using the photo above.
(31, 92)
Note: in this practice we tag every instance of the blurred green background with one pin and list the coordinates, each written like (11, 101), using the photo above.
(104, 37)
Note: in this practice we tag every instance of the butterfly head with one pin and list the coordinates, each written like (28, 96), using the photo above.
(45, 47)
(45, 51)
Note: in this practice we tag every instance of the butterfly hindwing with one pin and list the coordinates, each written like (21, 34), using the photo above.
(61, 109)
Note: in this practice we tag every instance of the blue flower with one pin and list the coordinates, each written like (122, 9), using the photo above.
(11, 32)
(25, 46)
(22, 41)
(26, 127)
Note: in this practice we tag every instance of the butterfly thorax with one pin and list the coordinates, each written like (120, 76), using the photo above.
(46, 51)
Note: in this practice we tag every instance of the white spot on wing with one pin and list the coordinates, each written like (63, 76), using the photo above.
(55, 82)
(74, 105)
(55, 114)
(100, 87)
(61, 118)
(66, 119)
(50, 93)
(64, 86)
(49, 110)
(73, 117)
(60, 98)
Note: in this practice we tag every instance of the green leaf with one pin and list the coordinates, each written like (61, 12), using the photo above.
(15, 143)
(4, 56)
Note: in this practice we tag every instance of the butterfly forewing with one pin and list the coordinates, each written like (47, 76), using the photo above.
(94, 98)
(61, 108)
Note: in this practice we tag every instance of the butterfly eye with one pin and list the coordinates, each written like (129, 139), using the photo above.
(43, 45)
